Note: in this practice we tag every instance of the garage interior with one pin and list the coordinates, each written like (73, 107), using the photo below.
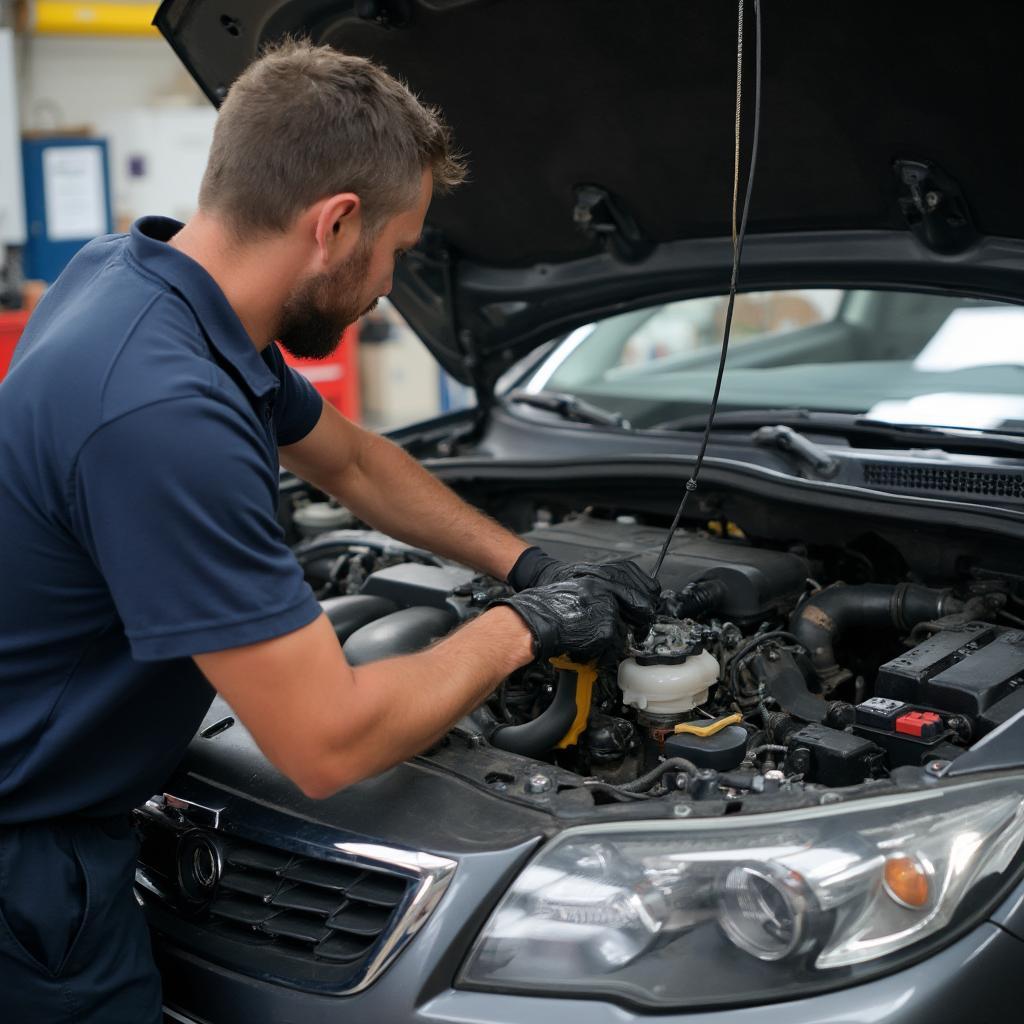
(95, 86)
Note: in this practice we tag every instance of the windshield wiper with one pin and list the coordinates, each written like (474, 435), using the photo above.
(569, 407)
(802, 448)
(860, 431)
(740, 418)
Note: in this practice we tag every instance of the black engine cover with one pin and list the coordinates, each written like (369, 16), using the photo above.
(758, 582)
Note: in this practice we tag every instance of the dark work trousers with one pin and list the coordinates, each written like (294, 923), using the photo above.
(74, 946)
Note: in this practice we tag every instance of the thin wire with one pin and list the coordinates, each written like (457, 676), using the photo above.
(737, 252)
(739, 111)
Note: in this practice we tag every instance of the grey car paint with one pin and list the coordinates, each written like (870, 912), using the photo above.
(974, 980)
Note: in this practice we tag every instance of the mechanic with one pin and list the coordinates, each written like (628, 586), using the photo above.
(143, 422)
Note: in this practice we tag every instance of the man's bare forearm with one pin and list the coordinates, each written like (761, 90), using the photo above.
(327, 725)
(456, 676)
(395, 494)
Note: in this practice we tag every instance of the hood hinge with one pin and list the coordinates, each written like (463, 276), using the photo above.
(934, 207)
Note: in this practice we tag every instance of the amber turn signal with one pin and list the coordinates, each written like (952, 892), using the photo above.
(906, 882)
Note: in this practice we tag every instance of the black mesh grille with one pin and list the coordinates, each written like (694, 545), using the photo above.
(936, 479)
(299, 911)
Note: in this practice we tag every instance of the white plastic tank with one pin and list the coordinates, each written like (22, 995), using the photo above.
(668, 689)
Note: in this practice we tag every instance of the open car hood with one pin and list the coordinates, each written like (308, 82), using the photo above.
(600, 140)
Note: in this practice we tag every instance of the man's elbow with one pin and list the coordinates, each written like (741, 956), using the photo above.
(322, 780)
(317, 789)
(332, 755)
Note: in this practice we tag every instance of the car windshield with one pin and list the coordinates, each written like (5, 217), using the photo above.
(897, 357)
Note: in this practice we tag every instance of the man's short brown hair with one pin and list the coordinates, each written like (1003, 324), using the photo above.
(304, 122)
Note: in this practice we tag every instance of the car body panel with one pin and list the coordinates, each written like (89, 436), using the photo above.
(974, 979)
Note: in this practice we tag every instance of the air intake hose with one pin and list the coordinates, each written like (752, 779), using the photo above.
(547, 728)
(826, 616)
(697, 599)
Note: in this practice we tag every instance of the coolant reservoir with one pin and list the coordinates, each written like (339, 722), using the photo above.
(668, 689)
(670, 673)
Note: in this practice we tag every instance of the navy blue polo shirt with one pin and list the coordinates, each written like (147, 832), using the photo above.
(139, 429)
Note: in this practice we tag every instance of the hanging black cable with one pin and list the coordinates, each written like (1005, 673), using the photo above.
(737, 249)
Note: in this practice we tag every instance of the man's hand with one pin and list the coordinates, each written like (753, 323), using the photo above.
(586, 616)
(637, 592)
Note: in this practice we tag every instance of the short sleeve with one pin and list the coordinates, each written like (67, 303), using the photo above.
(176, 504)
(299, 404)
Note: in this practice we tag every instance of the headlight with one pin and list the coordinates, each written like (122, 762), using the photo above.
(764, 907)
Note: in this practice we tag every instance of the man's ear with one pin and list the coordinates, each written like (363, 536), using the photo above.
(339, 223)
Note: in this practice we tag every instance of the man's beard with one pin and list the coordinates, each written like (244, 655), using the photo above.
(320, 308)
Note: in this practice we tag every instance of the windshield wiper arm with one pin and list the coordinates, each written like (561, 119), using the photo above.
(738, 418)
(951, 431)
(800, 447)
(860, 431)
(569, 407)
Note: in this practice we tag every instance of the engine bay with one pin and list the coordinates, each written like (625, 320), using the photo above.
(772, 670)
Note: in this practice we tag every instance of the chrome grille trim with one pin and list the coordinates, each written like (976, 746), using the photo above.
(425, 875)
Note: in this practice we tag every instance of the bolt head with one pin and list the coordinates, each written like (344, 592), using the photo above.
(538, 783)
(829, 798)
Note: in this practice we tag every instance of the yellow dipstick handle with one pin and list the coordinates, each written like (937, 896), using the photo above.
(586, 676)
(711, 728)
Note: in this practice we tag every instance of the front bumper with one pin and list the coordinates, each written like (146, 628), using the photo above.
(975, 979)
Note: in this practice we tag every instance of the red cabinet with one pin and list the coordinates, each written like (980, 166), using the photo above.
(337, 377)
(11, 326)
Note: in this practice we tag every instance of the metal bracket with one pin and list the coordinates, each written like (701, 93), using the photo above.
(600, 216)
(934, 207)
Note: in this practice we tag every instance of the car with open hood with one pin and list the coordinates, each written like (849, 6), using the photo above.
(801, 796)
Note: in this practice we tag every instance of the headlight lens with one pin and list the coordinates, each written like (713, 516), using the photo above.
(765, 907)
(765, 912)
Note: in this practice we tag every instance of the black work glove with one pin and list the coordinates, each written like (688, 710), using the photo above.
(637, 592)
(583, 617)
(534, 568)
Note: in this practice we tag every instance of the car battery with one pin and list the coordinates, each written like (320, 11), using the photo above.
(964, 670)
(909, 735)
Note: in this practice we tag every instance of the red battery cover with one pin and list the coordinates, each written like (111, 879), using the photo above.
(919, 723)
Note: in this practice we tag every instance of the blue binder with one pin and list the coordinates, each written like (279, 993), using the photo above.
(67, 201)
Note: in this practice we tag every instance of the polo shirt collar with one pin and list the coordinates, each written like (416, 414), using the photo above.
(148, 245)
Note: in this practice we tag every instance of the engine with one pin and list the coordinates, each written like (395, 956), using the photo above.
(755, 678)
